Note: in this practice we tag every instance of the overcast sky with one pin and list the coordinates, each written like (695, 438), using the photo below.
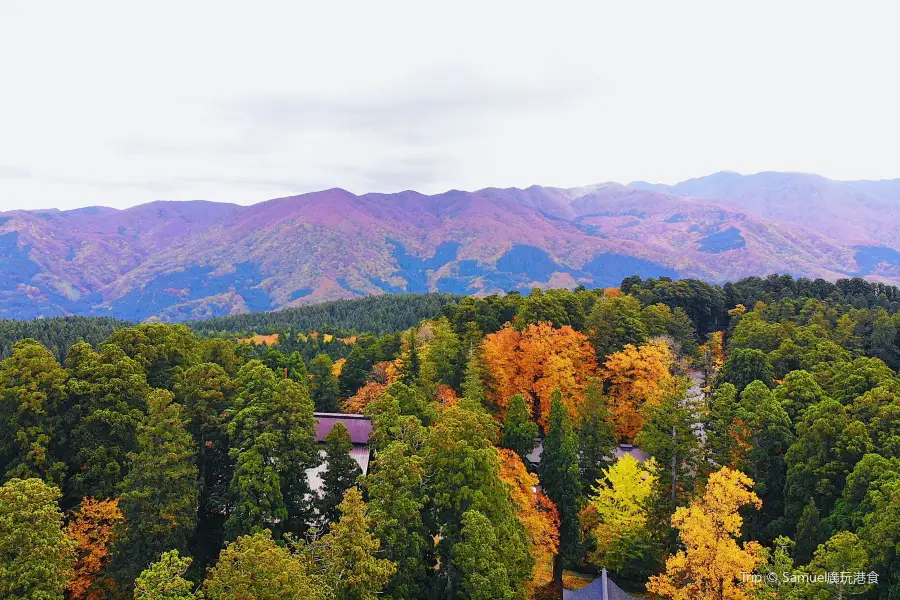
(121, 103)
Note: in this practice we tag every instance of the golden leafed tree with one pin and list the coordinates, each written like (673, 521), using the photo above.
(92, 528)
(536, 512)
(712, 563)
(637, 376)
(535, 362)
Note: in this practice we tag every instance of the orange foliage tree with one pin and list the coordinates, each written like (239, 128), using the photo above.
(712, 565)
(535, 362)
(357, 403)
(536, 512)
(637, 376)
(92, 528)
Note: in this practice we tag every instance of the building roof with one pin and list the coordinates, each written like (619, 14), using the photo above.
(602, 588)
(359, 426)
(534, 457)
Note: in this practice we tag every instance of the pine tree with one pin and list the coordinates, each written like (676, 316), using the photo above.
(596, 438)
(475, 556)
(519, 431)
(561, 480)
(412, 364)
(340, 473)
(323, 384)
(809, 533)
(473, 382)
(159, 493)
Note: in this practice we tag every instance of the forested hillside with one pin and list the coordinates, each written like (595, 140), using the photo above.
(157, 463)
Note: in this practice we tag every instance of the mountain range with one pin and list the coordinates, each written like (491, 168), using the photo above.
(196, 259)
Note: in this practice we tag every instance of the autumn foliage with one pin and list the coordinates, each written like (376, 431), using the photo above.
(366, 394)
(711, 564)
(91, 528)
(535, 362)
(535, 511)
(637, 376)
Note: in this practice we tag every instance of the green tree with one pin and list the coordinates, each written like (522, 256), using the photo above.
(475, 556)
(273, 444)
(411, 367)
(722, 448)
(829, 444)
(596, 436)
(441, 353)
(159, 493)
(254, 567)
(809, 532)
(164, 351)
(519, 431)
(348, 553)
(615, 323)
(323, 384)
(843, 553)
(560, 478)
(340, 473)
(798, 391)
(107, 399)
(745, 366)
(163, 580)
(473, 381)
(396, 502)
(36, 557)
(764, 425)
(32, 389)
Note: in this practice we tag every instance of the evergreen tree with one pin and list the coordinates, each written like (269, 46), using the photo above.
(596, 438)
(519, 431)
(273, 444)
(32, 389)
(396, 502)
(340, 473)
(36, 557)
(745, 366)
(349, 553)
(475, 556)
(412, 364)
(809, 533)
(159, 493)
(473, 382)
(614, 323)
(561, 480)
(323, 384)
(107, 399)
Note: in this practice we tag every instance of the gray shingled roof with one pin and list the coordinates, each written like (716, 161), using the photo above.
(601, 588)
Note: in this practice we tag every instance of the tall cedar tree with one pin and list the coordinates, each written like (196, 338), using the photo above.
(519, 431)
(341, 472)
(323, 384)
(349, 554)
(411, 364)
(159, 493)
(273, 444)
(396, 500)
(596, 437)
(32, 389)
(669, 437)
(614, 323)
(107, 399)
(207, 392)
(36, 556)
(561, 480)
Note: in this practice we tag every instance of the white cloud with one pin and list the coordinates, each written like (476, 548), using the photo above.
(121, 103)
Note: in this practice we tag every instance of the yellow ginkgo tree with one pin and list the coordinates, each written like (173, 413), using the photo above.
(713, 565)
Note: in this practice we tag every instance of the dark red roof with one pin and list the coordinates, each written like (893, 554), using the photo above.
(359, 426)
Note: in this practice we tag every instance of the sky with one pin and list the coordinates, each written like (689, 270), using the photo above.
(121, 103)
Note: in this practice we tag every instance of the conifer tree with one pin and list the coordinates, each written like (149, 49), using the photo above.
(323, 384)
(164, 579)
(561, 480)
(160, 492)
(519, 431)
(596, 437)
(340, 472)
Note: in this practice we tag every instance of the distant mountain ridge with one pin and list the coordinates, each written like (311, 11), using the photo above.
(186, 260)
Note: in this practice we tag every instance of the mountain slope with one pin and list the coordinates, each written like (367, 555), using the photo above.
(181, 260)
